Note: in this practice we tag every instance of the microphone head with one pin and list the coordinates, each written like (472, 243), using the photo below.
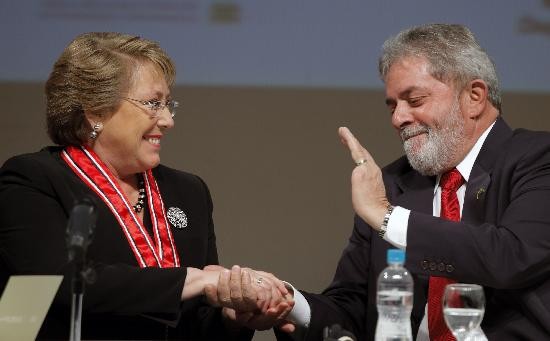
(337, 333)
(80, 227)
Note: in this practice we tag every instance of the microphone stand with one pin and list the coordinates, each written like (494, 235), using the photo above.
(79, 236)
(76, 304)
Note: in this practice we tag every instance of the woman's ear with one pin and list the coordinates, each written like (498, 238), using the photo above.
(96, 123)
(91, 118)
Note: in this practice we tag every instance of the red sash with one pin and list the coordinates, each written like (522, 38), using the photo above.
(93, 172)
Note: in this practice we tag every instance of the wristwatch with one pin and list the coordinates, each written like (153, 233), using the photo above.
(384, 227)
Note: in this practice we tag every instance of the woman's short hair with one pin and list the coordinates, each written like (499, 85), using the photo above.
(90, 76)
(452, 51)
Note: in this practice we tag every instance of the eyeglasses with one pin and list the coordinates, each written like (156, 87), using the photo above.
(155, 107)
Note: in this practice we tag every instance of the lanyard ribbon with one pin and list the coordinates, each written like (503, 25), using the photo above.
(160, 252)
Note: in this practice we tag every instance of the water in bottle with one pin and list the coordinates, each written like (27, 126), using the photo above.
(394, 300)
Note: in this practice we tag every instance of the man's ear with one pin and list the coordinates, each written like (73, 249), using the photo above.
(476, 94)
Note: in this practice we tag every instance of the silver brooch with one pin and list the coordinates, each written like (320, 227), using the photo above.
(177, 217)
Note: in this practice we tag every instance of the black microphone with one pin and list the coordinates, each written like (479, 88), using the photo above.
(337, 333)
(80, 229)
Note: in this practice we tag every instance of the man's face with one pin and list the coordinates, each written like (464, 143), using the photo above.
(427, 115)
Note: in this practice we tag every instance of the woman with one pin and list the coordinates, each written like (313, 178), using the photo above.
(108, 108)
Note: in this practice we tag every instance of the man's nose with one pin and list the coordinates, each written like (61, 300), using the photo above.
(401, 115)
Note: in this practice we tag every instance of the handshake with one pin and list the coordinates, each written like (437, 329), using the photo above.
(250, 298)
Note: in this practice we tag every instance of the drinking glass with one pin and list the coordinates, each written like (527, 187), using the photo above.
(463, 308)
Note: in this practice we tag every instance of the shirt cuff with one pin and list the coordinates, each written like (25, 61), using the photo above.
(300, 315)
(396, 232)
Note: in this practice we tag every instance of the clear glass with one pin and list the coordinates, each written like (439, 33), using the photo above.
(463, 309)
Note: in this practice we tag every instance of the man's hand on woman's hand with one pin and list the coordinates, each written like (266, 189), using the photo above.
(251, 298)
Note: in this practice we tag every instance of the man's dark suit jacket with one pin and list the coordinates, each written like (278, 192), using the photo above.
(502, 243)
(37, 193)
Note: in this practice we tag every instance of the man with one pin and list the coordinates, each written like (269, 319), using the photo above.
(442, 91)
(492, 228)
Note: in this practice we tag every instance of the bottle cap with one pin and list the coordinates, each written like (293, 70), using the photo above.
(396, 256)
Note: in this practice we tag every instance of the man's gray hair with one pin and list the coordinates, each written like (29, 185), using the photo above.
(452, 51)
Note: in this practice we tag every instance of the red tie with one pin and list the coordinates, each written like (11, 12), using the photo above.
(450, 209)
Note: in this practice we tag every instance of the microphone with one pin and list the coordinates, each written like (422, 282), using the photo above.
(80, 229)
(337, 333)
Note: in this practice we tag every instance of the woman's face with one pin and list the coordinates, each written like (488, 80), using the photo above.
(130, 140)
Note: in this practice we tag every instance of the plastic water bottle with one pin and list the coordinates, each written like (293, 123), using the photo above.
(394, 300)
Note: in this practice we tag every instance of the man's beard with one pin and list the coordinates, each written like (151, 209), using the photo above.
(443, 141)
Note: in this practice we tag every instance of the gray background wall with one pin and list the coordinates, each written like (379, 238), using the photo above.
(278, 173)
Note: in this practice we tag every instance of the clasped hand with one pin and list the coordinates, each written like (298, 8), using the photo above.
(251, 298)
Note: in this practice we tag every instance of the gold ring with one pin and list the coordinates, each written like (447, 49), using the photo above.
(360, 162)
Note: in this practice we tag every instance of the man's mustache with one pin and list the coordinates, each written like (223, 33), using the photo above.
(410, 131)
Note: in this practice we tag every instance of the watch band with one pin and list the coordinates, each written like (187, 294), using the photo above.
(384, 227)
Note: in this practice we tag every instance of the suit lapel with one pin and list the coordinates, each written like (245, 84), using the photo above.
(473, 210)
